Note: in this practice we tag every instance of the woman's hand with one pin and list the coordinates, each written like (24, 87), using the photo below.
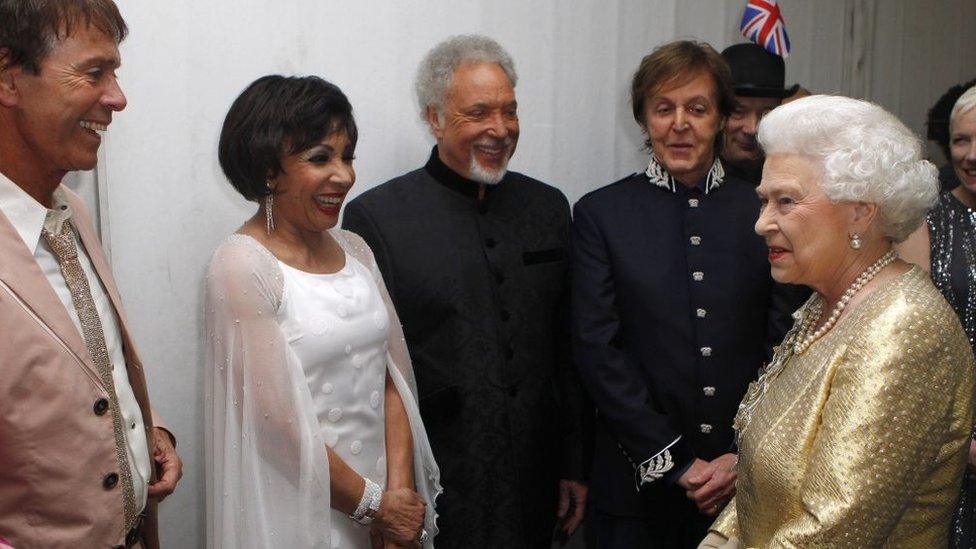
(401, 516)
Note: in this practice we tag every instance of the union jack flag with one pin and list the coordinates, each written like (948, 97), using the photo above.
(763, 23)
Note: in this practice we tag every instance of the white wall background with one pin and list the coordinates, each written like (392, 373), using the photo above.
(164, 205)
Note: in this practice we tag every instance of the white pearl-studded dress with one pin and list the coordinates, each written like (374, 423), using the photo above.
(338, 326)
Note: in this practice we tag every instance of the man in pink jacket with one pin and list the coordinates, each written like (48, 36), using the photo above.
(83, 459)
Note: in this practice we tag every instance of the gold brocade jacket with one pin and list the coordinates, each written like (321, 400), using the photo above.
(861, 440)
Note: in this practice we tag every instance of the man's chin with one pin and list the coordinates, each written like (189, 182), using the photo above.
(488, 176)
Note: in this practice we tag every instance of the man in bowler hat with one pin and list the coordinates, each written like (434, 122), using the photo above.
(758, 80)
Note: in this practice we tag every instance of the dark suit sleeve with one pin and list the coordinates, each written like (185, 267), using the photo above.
(612, 376)
(576, 410)
(357, 219)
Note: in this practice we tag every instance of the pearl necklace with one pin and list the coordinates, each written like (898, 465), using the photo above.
(805, 338)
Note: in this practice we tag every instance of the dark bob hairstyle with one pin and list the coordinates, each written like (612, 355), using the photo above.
(29, 29)
(278, 116)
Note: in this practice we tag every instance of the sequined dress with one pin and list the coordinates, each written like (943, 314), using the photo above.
(952, 235)
(860, 440)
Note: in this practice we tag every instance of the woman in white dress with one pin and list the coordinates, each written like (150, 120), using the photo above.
(314, 436)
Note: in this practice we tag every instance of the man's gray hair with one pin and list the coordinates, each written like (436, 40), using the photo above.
(436, 70)
(865, 152)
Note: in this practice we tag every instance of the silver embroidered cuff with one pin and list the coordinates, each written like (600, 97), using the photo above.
(656, 466)
(369, 505)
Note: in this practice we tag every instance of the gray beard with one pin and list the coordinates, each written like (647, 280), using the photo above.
(488, 177)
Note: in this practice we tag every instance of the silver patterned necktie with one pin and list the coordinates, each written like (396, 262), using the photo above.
(63, 245)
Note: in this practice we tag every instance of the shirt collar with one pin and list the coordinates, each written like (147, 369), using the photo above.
(660, 176)
(444, 175)
(28, 216)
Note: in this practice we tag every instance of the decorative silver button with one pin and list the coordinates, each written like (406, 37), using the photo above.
(695, 240)
(698, 276)
(706, 351)
(693, 202)
(701, 313)
(705, 428)
(709, 391)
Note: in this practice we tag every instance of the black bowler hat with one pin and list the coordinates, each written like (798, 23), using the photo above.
(756, 72)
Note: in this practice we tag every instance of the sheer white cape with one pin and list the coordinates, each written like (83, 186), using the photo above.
(267, 469)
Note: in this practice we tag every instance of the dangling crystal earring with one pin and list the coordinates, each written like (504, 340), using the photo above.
(268, 207)
(856, 241)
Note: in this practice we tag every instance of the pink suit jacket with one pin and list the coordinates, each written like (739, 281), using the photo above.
(55, 450)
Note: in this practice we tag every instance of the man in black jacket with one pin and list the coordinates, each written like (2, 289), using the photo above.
(672, 310)
(475, 258)
(758, 80)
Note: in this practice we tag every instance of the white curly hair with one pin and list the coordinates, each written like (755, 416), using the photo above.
(866, 155)
(437, 67)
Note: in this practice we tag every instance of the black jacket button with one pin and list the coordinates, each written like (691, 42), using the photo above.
(100, 407)
(110, 481)
(490, 242)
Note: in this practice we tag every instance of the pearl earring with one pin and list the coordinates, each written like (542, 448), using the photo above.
(856, 241)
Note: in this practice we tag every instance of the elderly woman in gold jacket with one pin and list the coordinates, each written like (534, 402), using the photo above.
(855, 435)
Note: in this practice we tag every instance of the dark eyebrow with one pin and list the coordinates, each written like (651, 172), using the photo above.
(99, 61)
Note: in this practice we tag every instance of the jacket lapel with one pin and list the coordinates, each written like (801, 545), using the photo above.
(21, 273)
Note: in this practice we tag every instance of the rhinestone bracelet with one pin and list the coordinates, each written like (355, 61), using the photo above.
(369, 505)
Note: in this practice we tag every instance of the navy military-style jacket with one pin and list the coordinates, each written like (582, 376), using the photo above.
(673, 313)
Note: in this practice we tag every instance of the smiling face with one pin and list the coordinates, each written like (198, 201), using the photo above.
(58, 114)
(310, 190)
(807, 234)
(478, 127)
(682, 122)
(962, 149)
(739, 140)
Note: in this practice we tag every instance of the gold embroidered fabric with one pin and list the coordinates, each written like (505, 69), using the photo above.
(861, 440)
(64, 248)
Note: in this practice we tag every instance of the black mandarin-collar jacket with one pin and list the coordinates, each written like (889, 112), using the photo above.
(482, 291)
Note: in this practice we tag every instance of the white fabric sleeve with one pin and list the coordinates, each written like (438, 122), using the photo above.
(267, 469)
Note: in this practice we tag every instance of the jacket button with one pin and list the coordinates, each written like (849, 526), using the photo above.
(110, 481)
(706, 351)
(709, 391)
(490, 242)
(702, 313)
(698, 276)
(100, 407)
(500, 278)
(693, 202)
(505, 315)
(509, 354)
(695, 240)
(706, 428)
(513, 391)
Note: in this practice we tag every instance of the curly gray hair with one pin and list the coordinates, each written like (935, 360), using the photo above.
(865, 152)
(437, 68)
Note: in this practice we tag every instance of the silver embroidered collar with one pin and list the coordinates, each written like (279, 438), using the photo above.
(660, 176)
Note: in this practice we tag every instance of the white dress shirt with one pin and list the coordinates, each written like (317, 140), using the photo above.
(29, 217)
